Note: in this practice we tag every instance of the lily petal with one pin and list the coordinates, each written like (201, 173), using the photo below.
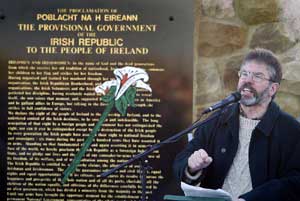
(104, 86)
(143, 85)
(133, 76)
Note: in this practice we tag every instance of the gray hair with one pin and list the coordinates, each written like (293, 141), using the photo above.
(268, 58)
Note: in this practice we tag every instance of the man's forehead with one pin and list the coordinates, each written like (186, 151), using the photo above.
(255, 66)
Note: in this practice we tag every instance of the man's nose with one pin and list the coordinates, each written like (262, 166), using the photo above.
(249, 78)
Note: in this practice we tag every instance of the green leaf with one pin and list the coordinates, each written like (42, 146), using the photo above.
(110, 95)
(130, 96)
(121, 105)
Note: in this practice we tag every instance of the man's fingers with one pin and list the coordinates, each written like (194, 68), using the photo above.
(203, 153)
(203, 157)
(196, 162)
(208, 160)
(199, 160)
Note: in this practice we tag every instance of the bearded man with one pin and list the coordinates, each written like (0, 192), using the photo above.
(252, 148)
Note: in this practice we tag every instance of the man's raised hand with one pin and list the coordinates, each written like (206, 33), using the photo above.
(198, 160)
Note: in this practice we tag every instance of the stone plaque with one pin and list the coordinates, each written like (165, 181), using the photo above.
(53, 55)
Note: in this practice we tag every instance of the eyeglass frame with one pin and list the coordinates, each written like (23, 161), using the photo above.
(254, 75)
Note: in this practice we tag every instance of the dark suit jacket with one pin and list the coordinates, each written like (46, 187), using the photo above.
(274, 154)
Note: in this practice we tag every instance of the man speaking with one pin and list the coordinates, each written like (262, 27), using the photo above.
(252, 149)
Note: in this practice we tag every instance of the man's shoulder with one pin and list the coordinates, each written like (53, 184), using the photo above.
(288, 124)
(288, 119)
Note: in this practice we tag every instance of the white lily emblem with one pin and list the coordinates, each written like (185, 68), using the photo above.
(125, 77)
(119, 92)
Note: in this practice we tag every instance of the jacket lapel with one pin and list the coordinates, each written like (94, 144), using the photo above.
(258, 157)
(259, 149)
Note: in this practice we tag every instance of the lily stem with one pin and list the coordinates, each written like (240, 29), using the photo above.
(86, 144)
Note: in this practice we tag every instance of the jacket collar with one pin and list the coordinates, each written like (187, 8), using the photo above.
(266, 124)
(269, 119)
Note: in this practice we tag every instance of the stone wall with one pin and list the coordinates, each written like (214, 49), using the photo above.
(225, 30)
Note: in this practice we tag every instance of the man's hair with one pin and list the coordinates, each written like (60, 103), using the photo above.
(268, 58)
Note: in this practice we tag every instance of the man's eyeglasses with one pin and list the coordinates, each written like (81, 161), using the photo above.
(256, 77)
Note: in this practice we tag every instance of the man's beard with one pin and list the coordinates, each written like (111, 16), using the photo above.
(256, 99)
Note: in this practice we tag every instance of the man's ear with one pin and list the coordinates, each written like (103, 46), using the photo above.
(274, 88)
